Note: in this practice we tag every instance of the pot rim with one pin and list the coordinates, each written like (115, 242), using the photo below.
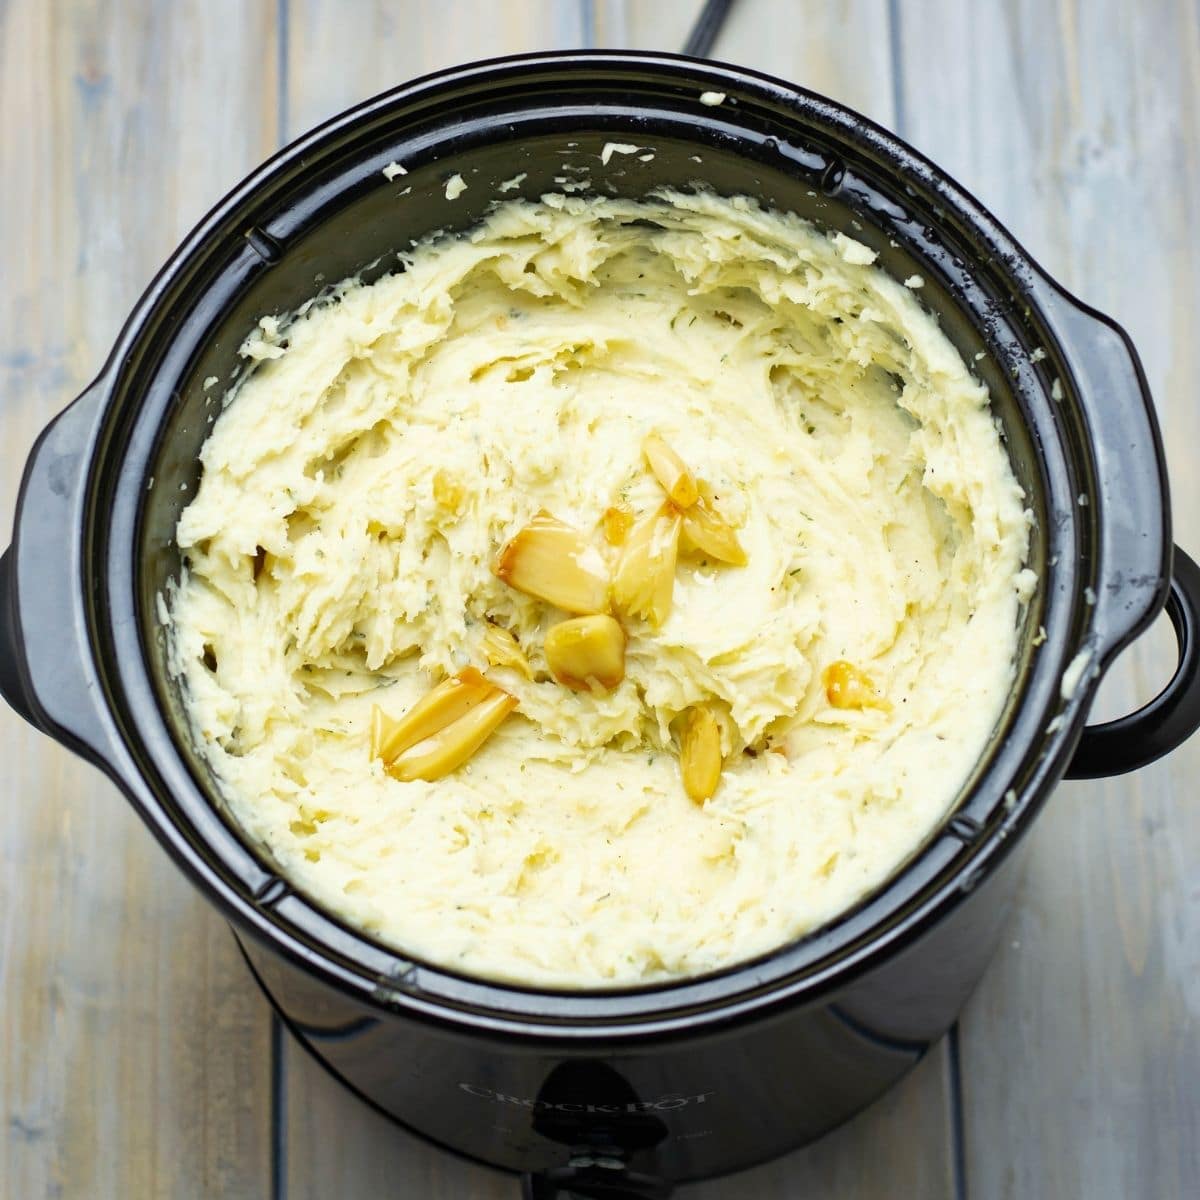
(1010, 790)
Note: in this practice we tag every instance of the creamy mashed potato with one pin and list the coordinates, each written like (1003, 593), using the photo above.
(361, 481)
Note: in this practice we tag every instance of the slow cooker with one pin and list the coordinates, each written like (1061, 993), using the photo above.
(610, 1093)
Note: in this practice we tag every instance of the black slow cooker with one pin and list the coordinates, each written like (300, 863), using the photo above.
(617, 1093)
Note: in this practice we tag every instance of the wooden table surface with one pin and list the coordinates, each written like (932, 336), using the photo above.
(137, 1058)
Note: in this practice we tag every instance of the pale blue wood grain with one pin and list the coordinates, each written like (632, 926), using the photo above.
(133, 1049)
(1079, 125)
(129, 1068)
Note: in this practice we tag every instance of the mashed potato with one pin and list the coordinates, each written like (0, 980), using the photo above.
(361, 481)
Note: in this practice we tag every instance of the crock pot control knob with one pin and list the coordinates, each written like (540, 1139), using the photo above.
(593, 1181)
(1173, 715)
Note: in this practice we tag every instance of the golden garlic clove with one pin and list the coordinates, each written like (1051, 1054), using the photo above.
(616, 523)
(451, 700)
(704, 531)
(700, 759)
(447, 749)
(381, 729)
(846, 686)
(671, 471)
(587, 653)
(645, 580)
(553, 561)
(503, 650)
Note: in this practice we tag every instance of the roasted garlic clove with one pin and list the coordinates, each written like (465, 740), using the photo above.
(645, 580)
(451, 700)
(587, 653)
(704, 531)
(848, 687)
(553, 561)
(671, 471)
(616, 523)
(700, 759)
(448, 748)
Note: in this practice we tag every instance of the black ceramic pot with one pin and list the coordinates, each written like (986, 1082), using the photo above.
(617, 1093)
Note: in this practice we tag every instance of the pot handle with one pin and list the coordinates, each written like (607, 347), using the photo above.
(1173, 715)
(12, 687)
(47, 671)
(593, 1179)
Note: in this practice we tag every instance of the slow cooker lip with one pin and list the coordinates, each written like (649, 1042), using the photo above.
(395, 981)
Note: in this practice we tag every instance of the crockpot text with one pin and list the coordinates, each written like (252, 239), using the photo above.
(662, 1104)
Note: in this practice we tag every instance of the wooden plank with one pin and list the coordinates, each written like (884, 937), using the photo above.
(378, 45)
(636, 25)
(1078, 125)
(135, 1053)
(902, 1145)
(384, 47)
(838, 48)
(338, 1146)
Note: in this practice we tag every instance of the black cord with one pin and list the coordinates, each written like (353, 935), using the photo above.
(708, 24)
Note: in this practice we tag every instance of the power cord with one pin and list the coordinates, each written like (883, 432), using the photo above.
(708, 24)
